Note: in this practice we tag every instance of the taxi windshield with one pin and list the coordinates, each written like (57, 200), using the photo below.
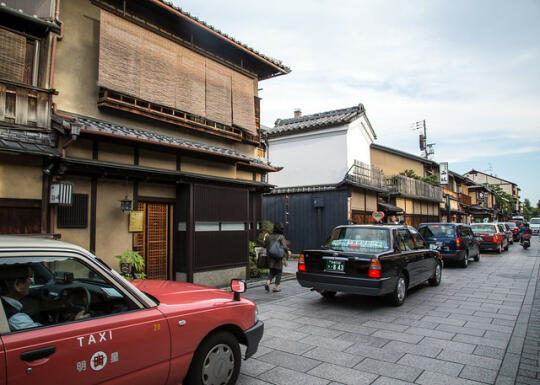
(484, 228)
(359, 239)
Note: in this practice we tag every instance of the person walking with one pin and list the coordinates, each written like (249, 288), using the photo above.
(277, 249)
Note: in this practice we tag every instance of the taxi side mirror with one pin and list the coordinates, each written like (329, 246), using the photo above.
(238, 286)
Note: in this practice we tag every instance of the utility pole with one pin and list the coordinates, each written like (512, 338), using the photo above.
(424, 146)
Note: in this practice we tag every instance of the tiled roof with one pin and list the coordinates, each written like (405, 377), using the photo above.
(316, 121)
(28, 142)
(187, 14)
(100, 127)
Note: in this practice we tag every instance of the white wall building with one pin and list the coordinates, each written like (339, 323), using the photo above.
(319, 149)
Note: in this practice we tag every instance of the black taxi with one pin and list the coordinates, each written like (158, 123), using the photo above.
(372, 260)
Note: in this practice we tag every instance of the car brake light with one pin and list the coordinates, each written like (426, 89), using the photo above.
(301, 263)
(495, 238)
(374, 268)
(458, 244)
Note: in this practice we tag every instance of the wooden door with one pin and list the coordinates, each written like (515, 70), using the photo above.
(153, 242)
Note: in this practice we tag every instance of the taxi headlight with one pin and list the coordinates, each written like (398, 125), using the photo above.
(256, 314)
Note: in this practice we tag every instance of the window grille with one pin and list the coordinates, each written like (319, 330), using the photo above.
(76, 215)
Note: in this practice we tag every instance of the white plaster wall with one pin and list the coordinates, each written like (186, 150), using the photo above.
(359, 139)
(310, 158)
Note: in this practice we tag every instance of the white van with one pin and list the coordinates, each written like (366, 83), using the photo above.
(534, 224)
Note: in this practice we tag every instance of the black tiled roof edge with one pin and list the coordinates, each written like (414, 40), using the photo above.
(32, 142)
(301, 189)
(187, 14)
(101, 126)
(403, 153)
(316, 121)
(31, 18)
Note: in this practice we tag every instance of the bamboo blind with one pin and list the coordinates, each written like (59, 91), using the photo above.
(12, 56)
(190, 84)
(243, 102)
(143, 64)
(218, 93)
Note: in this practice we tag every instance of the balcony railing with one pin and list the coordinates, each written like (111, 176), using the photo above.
(365, 174)
(413, 188)
(24, 105)
(465, 199)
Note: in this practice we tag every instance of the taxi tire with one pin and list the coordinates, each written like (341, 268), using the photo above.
(395, 298)
(220, 338)
(477, 257)
(435, 279)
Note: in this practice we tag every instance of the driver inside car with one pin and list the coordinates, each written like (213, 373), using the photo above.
(15, 283)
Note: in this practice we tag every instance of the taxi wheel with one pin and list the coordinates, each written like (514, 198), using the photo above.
(400, 291)
(499, 250)
(435, 280)
(216, 361)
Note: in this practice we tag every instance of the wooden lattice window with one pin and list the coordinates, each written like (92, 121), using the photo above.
(76, 215)
(152, 243)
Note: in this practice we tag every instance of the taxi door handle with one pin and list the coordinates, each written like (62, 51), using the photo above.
(32, 355)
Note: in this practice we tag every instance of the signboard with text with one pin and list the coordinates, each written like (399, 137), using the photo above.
(443, 172)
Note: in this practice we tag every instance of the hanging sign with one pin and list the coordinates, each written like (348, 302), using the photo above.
(443, 168)
(377, 215)
(136, 221)
(60, 194)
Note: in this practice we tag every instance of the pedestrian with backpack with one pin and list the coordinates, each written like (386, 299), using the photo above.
(276, 249)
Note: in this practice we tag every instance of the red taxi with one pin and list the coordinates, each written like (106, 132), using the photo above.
(66, 317)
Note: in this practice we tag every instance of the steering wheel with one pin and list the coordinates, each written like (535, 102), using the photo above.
(70, 294)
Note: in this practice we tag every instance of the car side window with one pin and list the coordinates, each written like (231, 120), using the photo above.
(419, 242)
(405, 240)
(46, 291)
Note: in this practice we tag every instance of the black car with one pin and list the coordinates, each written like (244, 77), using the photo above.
(370, 260)
(455, 241)
(515, 230)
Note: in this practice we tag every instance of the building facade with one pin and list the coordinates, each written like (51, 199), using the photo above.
(327, 177)
(133, 103)
(418, 200)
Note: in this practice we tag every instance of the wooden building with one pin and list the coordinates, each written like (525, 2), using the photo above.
(419, 200)
(150, 106)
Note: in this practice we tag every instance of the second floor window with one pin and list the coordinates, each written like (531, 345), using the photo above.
(18, 58)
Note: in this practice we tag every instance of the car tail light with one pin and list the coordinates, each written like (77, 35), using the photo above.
(374, 268)
(495, 238)
(458, 244)
(301, 263)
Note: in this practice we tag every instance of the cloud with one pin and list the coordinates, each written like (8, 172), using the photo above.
(470, 69)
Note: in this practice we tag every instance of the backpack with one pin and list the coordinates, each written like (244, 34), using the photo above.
(275, 249)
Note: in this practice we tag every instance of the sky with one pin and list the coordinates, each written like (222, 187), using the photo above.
(470, 69)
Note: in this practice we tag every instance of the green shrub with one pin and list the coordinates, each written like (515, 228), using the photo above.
(133, 257)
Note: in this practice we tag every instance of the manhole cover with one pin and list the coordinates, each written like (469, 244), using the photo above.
(513, 276)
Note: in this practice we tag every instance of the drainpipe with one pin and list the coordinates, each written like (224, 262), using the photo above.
(55, 38)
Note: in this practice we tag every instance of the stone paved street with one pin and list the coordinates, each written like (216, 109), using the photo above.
(480, 326)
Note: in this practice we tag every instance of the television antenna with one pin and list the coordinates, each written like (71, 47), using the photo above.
(422, 139)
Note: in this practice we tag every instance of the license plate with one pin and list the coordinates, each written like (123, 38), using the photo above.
(338, 266)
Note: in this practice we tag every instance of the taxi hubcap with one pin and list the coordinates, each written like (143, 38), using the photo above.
(218, 365)
(401, 289)
(438, 272)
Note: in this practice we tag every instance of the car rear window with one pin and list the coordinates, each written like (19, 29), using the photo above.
(359, 239)
(512, 225)
(535, 221)
(484, 228)
(438, 231)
